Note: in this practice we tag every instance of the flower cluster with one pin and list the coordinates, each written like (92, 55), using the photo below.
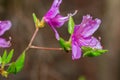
(81, 35)
(81, 41)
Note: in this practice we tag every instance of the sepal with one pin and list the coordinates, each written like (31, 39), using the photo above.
(92, 52)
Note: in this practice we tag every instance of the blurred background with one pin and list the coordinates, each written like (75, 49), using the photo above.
(58, 65)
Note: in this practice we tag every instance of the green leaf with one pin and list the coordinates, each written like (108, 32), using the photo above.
(12, 68)
(86, 49)
(9, 57)
(4, 57)
(71, 25)
(62, 42)
(20, 62)
(92, 52)
(0, 59)
(17, 66)
(34, 17)
(66, 45)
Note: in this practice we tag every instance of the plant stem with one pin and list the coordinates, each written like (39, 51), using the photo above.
(31, 41)
(45, 48)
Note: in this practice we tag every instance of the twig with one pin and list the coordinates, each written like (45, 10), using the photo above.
(31, 41)
(45, 48)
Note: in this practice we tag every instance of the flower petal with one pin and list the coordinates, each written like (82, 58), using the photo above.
(58, 20)
(91, 42)
(53, 15)
(4, 26)
(76, 50)
(4, 43)
(95, 43)
(88, 26)
(56, 33)
(54, 10)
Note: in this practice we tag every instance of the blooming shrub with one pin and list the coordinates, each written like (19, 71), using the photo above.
(81, 41)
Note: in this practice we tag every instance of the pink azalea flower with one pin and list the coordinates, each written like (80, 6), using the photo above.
(82, 36)
(53, 17)
(4, 26)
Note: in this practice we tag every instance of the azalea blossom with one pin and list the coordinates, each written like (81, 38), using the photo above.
(4, 26)
(82, 36)
(53, 17)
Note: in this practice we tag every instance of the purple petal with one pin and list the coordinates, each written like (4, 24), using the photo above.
(91, 42)
(53, 15)
(58, 21)
(87, 26)
(4, 26)
(4, 43)
(54, 10)
(76, 50)
(56, 33)
(95, 43)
